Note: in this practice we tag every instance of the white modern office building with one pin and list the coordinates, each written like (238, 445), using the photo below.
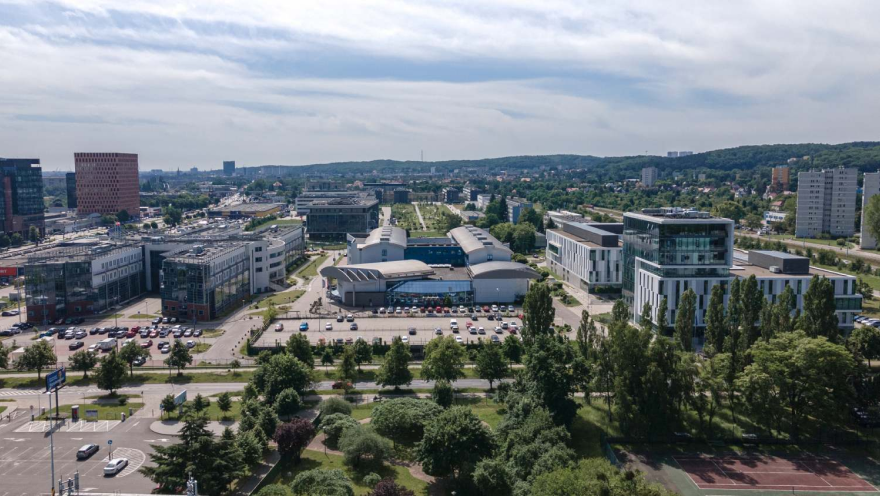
(826, 202)
(649, 176)
(587, 256)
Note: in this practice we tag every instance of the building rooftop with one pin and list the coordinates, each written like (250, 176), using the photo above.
(743, 268)
(379, 270)
(430, 242)
(248, 207)
(355, 201)
(676, 215)
(503, 270)
(579, 239)
(203, 253)
(472, 238)
(386, 234)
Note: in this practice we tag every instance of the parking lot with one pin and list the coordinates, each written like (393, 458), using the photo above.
(388, 326)
(25, 458)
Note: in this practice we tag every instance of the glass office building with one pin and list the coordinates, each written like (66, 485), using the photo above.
(673, 245)
(430, 292)
(334, 218)
(206, 282)
(21, 196)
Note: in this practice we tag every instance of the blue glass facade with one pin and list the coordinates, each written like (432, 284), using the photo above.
(430, 292)
(434, 254)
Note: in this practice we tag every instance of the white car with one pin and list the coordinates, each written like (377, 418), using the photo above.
(398, 310)
(494, 308)
(190, 344)
(328, 327)
(498, 330)
(382, 310)
(404, 339)
(458, 339)
(510, 308)
(461, 309)
(115, 466)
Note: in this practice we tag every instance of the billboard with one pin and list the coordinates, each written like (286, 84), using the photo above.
(56, 379)
(8, 271)
(180, 398)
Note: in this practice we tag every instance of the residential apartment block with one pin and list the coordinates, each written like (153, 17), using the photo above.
(870, 187)
(649, 176)
(826, 203)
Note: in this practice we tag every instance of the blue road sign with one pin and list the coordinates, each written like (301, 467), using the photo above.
(109, 441)
(56, 379)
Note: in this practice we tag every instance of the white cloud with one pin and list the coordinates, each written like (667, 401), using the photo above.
(191, 83)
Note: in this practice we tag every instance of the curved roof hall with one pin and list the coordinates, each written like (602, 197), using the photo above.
(390, 234)
(502, 270)
(472, 238)
(379, 270)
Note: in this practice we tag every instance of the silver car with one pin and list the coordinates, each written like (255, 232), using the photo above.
(115, 466)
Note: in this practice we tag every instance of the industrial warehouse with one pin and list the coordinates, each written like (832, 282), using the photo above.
(468, 267)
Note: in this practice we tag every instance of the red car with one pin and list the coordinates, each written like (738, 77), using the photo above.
(136, 328)
(445, 309)
(422, 309)
(341, 385)
(147, 343)
(469, 324)
(131, 333)
(485, 308)
(438, 309)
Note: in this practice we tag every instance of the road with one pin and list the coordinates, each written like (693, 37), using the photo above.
(386, 216)
(868, 256)
(419, 215)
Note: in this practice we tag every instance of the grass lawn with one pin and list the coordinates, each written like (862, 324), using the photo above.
(2, 409)
(281, 298)
(142, 316)
(369, 375)
(105, 411)
(214, 412)
(150, 378)
(871, 279)
(871, 308)
(212, 333)
(314, 245)
(427, 234)
(315, 459)
(826, 242)
(362, 411)
(200, 348)
(487, 409)
(311, 269)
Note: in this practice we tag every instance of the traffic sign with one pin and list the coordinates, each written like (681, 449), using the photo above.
(109, 441)
(180, 398)
(56, 379)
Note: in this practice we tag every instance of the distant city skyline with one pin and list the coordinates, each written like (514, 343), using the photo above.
(278, 82)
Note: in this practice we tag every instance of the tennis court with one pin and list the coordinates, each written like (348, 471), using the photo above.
(771, 473)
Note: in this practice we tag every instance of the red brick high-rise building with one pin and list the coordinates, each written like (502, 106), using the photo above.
(107, 183)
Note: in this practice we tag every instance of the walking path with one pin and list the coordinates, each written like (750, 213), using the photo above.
(419, 215)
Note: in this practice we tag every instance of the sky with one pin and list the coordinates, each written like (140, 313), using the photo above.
(190, 83)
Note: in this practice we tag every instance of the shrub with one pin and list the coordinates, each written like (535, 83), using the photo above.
(404, 419)
(442, 394)
(362, 447)
(371, 479)
(294, 436)
(334, 405)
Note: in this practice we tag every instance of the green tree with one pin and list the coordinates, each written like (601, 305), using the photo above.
(549, 376)
(250, 445)
(34, 235)
(523, 238)
(179, 357)
(539, 312)
(620, 312)
(404, 419)
(443, 394)
(752, 303)
(503, 213)
(730, 210)
(334, 424)
(131, 352)
(809, 376)
(363, 353)
(167, 404)
(333, 405)
(280, 372)
(491, 364)
(111, 373)
(317, 482)
(595, 476)
(81, 361)
(154, 225)
(453, 443)
(444, 359)
(864, 342)
(346, 371)
(363, 448)
(37, 356)
(298, 345)
(820, 310)
(645, 319)
(171, 216)
(662, 317)
(16, 239)
(224, 402)
(872, 217)
(513, 349)
(287, 403)
(123, 216)
(716, 328)
(684, 319)
(292, 437)
(327, 357)
(4, 240)
(200, 403)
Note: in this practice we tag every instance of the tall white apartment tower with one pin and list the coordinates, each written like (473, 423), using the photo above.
(870, 187)
(826, 203)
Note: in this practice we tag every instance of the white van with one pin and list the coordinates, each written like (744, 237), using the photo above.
(106, 344)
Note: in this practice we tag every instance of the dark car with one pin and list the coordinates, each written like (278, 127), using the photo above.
(78, 320)
(103, 330)
(76, 345)
(87, 451)
(94, 330)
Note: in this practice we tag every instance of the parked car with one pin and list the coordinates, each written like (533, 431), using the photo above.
(510, 308)
(190, 344)
(340, 318)
(495, 339)
(10, 313)
(458, 339)
(76, 345)
(87, 451)
(328, 326)
(80, 334)
(279, 327)
(197, 333)
(411, 331)
(147, 343)
(115, 466)
(438, 331)
(404, 339)
(139, 361)
(304, 326)
(349, 318)
(353, 326)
